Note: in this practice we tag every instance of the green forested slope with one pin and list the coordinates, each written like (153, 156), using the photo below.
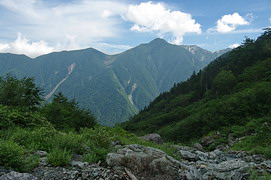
(113, 87)
(231, 94)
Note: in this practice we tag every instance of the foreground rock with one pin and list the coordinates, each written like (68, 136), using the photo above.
(146, 163)
(156, 138)
(224, 165)
(136, 162)
(85, 172)
(150, 163)
(18, 176)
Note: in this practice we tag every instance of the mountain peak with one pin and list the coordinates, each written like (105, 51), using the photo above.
(158, 41)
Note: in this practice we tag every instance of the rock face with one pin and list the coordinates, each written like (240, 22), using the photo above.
(156, 138)
(149, 163)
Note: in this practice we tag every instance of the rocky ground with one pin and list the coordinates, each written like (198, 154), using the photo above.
(136, 162)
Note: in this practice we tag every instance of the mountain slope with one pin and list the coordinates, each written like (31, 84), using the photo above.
(112, 87)
(232, 95)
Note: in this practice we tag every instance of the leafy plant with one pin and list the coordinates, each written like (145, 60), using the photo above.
(14, 156)
(59, 157)
(11, 155)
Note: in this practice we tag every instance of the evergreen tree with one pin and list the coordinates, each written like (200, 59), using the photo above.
(21, 93)
(64, 113)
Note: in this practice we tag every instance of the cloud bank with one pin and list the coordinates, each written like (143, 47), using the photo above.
(155, 17)
(22, 46)
(229, 23)
(66, 25)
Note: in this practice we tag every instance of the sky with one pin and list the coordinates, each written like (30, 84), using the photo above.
(36, 27)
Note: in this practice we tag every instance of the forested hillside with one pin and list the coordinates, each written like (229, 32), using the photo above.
(113, 87)
(232, 96)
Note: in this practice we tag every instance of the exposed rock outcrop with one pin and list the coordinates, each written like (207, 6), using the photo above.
(156, 138)
(137, 162)
(149, 163)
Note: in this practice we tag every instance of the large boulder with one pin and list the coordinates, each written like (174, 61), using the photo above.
(150, 164)
(156, 138)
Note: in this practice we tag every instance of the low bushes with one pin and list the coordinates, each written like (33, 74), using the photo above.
(14, 156)
(59, 157)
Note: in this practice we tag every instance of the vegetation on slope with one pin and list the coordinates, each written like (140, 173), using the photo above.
(113, 87)
(60, 128)
(234, 91)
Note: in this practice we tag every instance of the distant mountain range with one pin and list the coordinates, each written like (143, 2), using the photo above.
(113, 87)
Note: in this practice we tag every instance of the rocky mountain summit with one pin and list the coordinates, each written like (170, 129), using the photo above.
(137, 162)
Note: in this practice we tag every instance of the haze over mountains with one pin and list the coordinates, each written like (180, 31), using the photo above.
(113, 87)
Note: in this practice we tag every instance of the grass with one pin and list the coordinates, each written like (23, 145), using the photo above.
(93, 143)
(59, 157)
(16, 157)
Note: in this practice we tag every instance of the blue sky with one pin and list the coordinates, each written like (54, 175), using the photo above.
(35, 27)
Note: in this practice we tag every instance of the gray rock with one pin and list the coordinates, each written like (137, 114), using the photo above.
(156, 138)
(93, 172)
(44, 161)
(17, 176)
(217, 152)
(198, 146)
(41, 153)
(231, 165)
(3, 170)
(202, 155)
(207, 140)
(77, 157)
(149, 163)
(79, 164)
(188, 155)
(185, 148)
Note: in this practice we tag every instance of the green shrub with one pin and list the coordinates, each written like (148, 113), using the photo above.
(29, 163)
(91, 157)
(99, 136)
(37, 138)
(14, 156)
(69, 141)
(64, 113)
(59, 157)
(11, 155)
(12, 116)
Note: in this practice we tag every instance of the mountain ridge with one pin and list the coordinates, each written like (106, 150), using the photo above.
(113, 87)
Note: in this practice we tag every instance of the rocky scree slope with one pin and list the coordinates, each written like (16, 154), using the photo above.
(132, 162)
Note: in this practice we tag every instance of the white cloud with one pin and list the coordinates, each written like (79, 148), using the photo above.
(22, 46)
(229, 23)
(270, 20)
(113, 48)
(155, 17)
(61, 25)
(234, 46)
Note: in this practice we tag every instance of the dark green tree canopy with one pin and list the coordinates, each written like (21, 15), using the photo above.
(22, 93)
(64, 113)
(224, 82)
